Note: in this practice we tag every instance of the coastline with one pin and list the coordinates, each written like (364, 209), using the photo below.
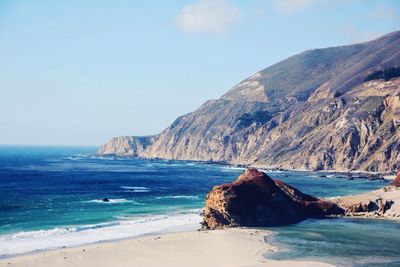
(38, 241)
(228, 247)
(126, 227)
(387, 175)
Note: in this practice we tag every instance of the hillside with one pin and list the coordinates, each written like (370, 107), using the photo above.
(314, 110)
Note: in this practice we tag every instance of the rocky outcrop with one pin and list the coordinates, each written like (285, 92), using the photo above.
(396, 181)
(311, 111)
(381, 203)
(255, 199)
(379, 206)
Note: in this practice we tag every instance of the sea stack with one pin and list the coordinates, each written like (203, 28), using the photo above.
(254, 199)
(396, 181)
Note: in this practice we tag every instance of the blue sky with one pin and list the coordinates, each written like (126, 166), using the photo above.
(80, 72)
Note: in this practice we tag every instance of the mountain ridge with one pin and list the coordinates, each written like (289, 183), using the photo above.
(311, 111)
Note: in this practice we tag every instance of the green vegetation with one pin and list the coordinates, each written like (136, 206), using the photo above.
(259, 117)
(383, 74)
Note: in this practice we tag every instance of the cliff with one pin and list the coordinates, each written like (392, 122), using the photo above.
(315, 110)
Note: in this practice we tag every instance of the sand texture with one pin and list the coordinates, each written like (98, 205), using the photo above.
(230, 247)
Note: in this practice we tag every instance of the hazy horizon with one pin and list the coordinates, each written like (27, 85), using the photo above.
(77, 73)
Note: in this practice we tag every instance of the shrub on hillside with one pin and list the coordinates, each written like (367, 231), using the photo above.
(383, 74)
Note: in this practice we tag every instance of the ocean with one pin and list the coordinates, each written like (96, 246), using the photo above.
(51, 197)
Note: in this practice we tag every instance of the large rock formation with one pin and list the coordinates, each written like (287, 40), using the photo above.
(254, 199)
(314, 110)
(396, 181)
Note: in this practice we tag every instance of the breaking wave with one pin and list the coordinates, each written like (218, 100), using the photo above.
(30, 241)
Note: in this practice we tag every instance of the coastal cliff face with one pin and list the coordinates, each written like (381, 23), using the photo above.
(254, 199)
(133, 146)
(314, 110)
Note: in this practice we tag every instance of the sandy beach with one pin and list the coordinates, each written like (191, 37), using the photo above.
(231, 247)
(390, 194)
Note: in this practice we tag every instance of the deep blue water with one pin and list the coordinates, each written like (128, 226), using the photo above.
(43, 188)
(51, 197)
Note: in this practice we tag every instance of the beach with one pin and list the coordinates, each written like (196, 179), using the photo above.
(51, 204)
(229, 247)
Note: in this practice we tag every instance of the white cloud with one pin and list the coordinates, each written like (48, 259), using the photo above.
(214, 17)
(383, 12)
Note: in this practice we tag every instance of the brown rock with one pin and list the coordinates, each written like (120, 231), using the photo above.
(361, 207)
(396, 181)
(254, 199)
(379, 206)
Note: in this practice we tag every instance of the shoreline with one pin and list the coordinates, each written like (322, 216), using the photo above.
(228, 247)
(37, 241)
(114, 240)
(260, 167)
(167, 232)
(37, 248)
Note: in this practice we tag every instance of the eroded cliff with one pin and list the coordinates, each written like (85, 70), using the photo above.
(311, 111)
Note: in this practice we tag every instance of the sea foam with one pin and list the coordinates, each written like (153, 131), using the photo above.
(30, 241)
(136, 189)
(112, 201)
(178, 197)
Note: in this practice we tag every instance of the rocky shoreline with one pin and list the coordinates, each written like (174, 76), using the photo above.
(348, 175)
(381, 203)
(256, 200)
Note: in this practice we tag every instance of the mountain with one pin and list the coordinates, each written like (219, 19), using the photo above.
(330, 108)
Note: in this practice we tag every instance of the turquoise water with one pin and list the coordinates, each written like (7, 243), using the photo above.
(343, 242)
(51, 197)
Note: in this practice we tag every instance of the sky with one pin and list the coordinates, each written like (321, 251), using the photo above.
(79, 72)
